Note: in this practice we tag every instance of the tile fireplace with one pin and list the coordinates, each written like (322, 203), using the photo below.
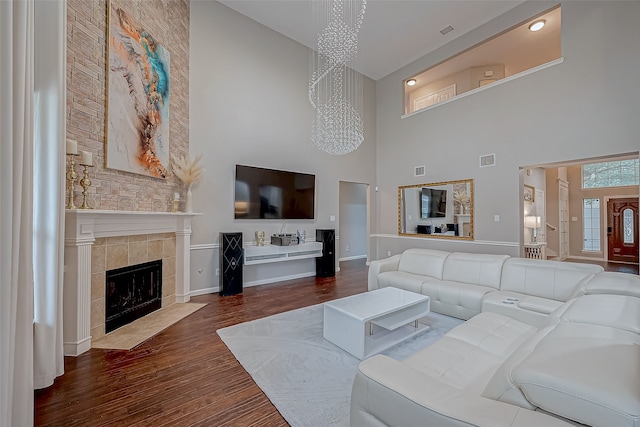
(82, 228)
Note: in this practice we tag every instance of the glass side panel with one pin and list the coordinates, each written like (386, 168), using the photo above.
(627, 218)
(591, 224)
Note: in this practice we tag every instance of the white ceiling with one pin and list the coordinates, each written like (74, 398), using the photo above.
(394, 32)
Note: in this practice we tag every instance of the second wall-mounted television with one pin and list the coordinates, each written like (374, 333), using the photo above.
(262, 193)
(433, 203)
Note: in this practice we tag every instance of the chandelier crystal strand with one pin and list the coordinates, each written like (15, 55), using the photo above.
(335, 90)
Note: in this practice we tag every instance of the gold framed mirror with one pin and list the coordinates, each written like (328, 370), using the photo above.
(442, 210)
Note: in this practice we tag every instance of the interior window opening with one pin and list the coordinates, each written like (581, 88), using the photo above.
(528, 45)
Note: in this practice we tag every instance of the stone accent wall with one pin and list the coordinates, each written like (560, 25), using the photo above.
(122, 251)
(168, 23)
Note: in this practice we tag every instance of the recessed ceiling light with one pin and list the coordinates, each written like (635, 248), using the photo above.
(537, 25)
(411, 82)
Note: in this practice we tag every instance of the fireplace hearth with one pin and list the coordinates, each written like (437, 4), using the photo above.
(132, 292)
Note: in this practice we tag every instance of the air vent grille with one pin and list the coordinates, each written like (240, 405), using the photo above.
(487, 160)
(446, 30)
(419, 171)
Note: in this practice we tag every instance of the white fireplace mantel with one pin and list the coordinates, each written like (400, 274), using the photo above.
(82, 227)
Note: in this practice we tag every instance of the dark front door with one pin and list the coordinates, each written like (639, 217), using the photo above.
(622, 229)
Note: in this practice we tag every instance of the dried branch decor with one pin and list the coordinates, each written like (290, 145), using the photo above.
(461, 197)
(187, 171)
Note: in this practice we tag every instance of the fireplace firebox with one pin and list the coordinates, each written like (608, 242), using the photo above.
(132, 292)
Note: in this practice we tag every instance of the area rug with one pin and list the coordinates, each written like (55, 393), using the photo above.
(140, 330)
(307, 378)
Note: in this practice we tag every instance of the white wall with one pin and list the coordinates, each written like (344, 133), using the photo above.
(585, 107)
(354, 235)
(249, 105)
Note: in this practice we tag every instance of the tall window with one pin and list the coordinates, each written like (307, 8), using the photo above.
(610, 174)
(591, 224)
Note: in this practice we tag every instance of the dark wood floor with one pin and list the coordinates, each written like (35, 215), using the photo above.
(611, 266)
(185, 376)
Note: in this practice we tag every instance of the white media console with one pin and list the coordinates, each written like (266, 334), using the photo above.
(274, 253)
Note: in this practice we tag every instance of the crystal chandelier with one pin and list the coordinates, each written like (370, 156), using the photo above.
(335, 90)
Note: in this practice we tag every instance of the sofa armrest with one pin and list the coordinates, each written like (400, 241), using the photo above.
(538, 305)
(380, 266)
(609, 282)
(387, 392)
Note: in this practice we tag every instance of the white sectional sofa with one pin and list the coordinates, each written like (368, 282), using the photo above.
(463, 284)
(545, 344)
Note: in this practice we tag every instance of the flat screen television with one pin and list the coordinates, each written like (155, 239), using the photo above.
(262, 193)
(433, 203)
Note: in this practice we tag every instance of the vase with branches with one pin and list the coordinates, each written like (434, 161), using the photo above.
(462, 198)
(189, 172)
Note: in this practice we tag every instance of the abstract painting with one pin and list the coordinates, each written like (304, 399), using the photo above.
(137, 99)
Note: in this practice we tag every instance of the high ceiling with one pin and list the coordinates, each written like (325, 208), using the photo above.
(394, 32)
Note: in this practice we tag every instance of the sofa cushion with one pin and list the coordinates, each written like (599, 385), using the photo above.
(386, 392)
(543, 278)
(461, 300)
(501, 386)
(609, 282)
(425, 262)
(402, 280)
(479, 269)
(468, 355)
(584, 372)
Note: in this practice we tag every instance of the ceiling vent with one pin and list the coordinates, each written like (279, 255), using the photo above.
(487, 160)
(419, 171)
(446, 30)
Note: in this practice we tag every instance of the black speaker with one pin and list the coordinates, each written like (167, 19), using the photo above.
(424, 229)
(326, 264)
(231, 263)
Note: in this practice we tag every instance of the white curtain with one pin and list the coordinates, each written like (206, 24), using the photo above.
(16, 220)
(32, 130)
(48, 193)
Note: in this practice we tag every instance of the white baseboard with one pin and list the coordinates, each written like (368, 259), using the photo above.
(349, 258)
(587, 258)
(213, 290)
(467, 242)
(216, 289)
(279, 279)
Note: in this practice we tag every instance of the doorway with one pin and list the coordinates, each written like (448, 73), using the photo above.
(576, 227)
(353, 226)
(622, 230)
